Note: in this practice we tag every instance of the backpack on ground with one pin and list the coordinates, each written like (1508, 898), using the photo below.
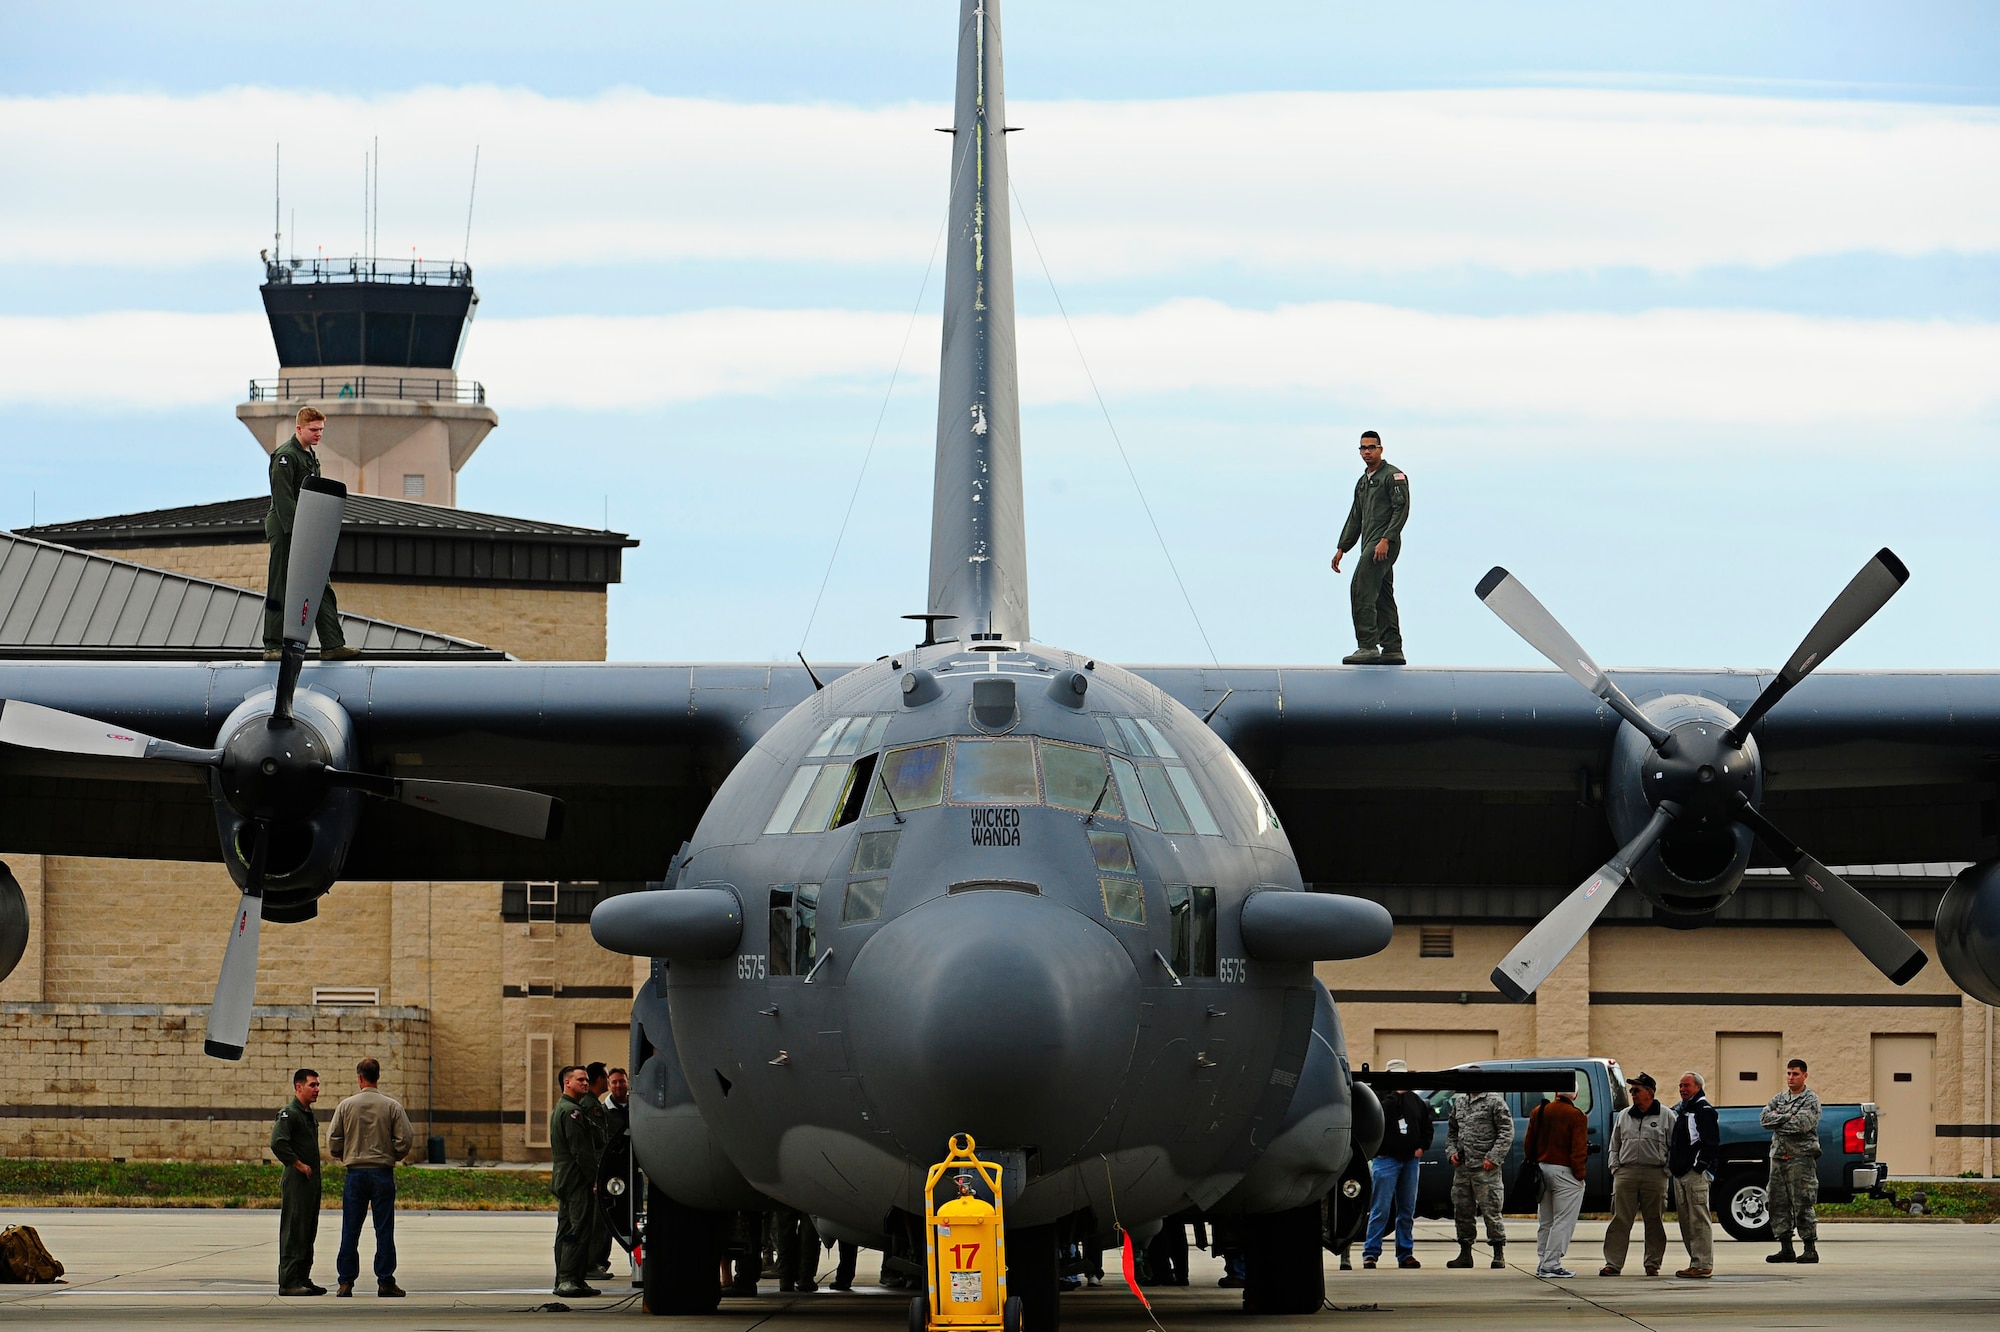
(24, 1258)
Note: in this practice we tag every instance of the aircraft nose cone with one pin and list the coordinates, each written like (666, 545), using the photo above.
(996, 1013)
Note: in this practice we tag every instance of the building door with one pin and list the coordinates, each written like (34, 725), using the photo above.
(605, 1043)
(1907, 1123)
(1434, 1049)
(1749, 1068)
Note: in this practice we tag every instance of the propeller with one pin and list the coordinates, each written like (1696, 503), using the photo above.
(1532, 959)
(315, 535)
(1700, 757)
(236, 985)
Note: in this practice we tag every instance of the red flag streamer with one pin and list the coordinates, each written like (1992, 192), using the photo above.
(1132, 1272)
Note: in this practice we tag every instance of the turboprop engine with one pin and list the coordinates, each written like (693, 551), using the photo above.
(1968, 931)
(281, 772)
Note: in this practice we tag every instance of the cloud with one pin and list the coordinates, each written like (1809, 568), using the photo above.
(1522, 180)
(1698, 366)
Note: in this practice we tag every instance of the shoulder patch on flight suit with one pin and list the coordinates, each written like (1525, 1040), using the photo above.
(1401, 477)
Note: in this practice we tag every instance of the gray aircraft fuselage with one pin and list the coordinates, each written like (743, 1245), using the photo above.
(973, 950)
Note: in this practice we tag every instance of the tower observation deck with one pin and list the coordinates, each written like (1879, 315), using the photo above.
(373, 344)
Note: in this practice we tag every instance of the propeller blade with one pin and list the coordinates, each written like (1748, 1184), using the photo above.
(1532, 959)
(1857, 603)
(32, 726)
(315, 535)
(505, 809)
(1882, 941)
(1517, 607)
(236, 986)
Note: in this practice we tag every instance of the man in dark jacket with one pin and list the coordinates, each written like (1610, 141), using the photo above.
(1405, 1135)
(1693, 1158)
(295, 1142)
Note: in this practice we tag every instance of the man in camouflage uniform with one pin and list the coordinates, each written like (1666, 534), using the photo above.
(1476, 1142)
(291, 463)
(1375, 520)
(295, 1142)
(1793, 1118)
(575, 1143)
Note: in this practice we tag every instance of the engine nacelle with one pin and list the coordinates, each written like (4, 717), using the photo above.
(1968, 931)
(312, 825)
(1693, 869)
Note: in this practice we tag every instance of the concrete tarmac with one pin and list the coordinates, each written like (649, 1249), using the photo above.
(217, 1269)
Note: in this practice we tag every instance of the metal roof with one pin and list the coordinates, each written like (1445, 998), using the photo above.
(364, 513)
(57, 601)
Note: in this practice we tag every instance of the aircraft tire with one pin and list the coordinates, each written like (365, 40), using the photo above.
(1283, 1271)
(1033, 1260)
(681, 1271)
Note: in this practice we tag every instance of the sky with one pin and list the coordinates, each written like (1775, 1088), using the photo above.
(1680, 315)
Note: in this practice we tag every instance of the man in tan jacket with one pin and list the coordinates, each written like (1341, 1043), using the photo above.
(369, 1134)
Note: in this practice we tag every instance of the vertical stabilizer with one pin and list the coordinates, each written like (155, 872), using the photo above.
(979, 546)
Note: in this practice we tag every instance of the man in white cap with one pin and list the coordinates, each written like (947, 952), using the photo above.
(1406, 1133)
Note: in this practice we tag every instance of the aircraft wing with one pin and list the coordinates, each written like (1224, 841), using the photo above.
(634, 751)
(1424, 776)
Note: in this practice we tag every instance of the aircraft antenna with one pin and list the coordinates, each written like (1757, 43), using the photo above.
(470, 195)
(1125, 457)
(922, 289)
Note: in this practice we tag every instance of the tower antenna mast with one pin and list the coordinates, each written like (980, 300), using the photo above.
(470, 195)
(277, 201)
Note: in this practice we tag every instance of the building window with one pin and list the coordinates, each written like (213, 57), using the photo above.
(1434, 941)
(413, 485)
(563, 903)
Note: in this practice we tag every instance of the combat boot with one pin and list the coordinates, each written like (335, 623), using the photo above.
(1464, 1258)
(1810, 1254)
(1367, 656)
(1499, 1254)
(1785, 1253)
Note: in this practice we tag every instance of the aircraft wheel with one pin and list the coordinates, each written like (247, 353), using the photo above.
(1283, 1272)
(680, 1272)
(1033, 1260)
(1743, 1204)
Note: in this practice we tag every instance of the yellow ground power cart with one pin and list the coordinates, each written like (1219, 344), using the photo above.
(965, 1248)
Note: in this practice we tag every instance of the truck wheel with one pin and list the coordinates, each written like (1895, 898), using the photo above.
(920, 1314)
(1744, 1206)
(1010, 1315)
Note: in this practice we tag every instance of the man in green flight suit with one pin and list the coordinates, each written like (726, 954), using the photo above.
(295, 1142)
(291, 463)
(1381, 507)
(575, 1143)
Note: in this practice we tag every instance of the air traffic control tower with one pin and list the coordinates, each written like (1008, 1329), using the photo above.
(374, 344)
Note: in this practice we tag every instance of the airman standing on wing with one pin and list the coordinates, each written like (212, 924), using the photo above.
(1381, 507)
(291, 463)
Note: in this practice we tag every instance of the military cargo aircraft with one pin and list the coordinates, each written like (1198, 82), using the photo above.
(989, 885)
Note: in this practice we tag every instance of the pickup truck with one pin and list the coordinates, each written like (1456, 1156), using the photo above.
(1847, 1163)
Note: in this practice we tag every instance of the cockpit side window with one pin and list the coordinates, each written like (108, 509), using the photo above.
(1160, 795)
(1126, 778)
(1191, 921)
(794, 928)
(856, 793)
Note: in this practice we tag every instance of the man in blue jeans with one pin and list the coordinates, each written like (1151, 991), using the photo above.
(369, 1134)
(1406, 1132)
